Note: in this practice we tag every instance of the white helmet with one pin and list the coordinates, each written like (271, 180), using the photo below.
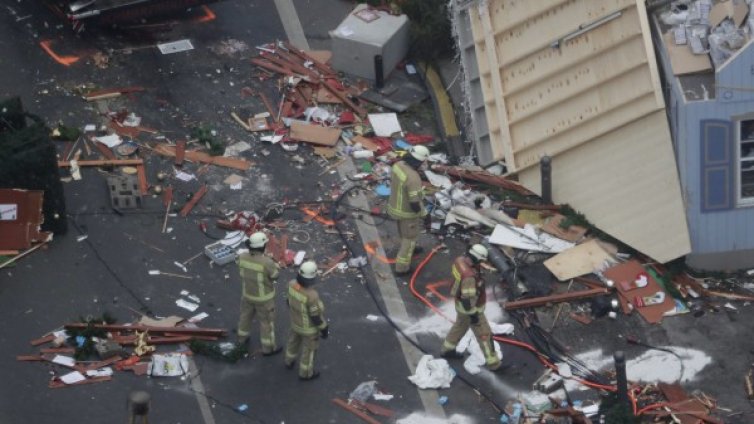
(478, 251)
(419, 153)
(258, 240)
(308, 269)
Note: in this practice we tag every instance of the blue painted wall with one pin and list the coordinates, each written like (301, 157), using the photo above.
(706, 139)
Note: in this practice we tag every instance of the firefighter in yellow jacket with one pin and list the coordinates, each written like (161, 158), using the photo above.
(258, 274)
(406, 204)
(470, 297)
(308, 322)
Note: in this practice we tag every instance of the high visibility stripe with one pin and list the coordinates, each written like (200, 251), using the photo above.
(251, 265)
(448, 346)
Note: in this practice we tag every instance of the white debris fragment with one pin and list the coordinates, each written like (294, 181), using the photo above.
(432, 373)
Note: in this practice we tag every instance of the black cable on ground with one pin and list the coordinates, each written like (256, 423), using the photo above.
(144, 307)
(333, 215)
(147, 310)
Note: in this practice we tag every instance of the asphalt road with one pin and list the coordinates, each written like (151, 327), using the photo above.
(108, 270)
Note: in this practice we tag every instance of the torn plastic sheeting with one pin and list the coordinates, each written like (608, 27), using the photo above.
(438, 180)
(236, 149)
(469, 215)
(110, 141)
(476, 361)
(527, 238)
(168, 365)
(233, 239)
(432, 373)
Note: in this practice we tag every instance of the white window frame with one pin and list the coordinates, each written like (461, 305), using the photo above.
(740, 200)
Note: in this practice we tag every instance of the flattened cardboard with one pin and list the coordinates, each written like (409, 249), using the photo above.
(682, 60)
(314, 134)
(580, 260)
(574, 233)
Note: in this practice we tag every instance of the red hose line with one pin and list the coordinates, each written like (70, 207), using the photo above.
(542, 358)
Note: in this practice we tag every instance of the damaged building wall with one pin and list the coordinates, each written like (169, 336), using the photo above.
(710, 145)
(578, 81)
(29, 161)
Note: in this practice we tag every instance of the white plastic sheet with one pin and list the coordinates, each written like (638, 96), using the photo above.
(432, 373)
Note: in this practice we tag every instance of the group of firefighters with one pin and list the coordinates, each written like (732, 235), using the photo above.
(307, 321)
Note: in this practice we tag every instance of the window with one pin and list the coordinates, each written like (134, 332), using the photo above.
(745, 173)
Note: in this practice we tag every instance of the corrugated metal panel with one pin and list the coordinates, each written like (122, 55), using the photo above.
(566, 78)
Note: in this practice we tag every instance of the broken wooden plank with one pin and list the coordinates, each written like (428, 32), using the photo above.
(315, 134)
(628, 272)
(106, 152)
(55, 383)
(180, 152)
(194, 200)
(142, 177)
(58, 350)
(219, 332)
(483, 177)
(42, 340)
(194, 156)
(374, 409)
(29, 358)
(352, 409)
(556, 298)
(104, 162)
(110, 93)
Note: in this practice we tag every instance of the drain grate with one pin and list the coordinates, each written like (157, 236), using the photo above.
(124, 192)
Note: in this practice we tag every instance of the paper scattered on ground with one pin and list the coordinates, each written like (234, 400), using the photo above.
(184, 176)
(175, 46)
(110, 141)
(274, 139)
(186, 305)
(371, 317)
(233, 179)
(527, 238)
(75, 170)
(73, 377)
(385, 124)
(382, 396)
(236, 149)
(64, 360)
(422, 418)
(432, 373)
(102, 372)
(198, 317)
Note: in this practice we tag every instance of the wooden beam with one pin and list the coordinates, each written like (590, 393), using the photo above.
(152, 330)
(142, 176)
(194, 200)
(180, 152)
(556, 298)
(107, 162)
(352, 409)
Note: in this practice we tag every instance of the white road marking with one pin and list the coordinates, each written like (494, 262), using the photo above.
(198, 389)
(292, 24)
(389, 292)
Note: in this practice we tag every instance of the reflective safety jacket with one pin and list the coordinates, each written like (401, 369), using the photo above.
(468, 287)
(258, 274)
(405, 188)
(307, 311)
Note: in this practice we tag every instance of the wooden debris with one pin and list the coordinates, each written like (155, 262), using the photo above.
(180, 152)
(483, 177)
(580, 317)
(110, 93)
(105, 162)
(315, 134)
(194, 156)
(194, 200)
(354, 410)
(556, 298)
(152, 330)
